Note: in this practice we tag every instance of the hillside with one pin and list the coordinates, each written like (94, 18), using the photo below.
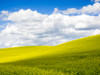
(77, 57)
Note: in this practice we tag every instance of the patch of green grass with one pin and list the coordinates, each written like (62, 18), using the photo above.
(78, 57)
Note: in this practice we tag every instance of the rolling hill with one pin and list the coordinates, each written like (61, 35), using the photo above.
(77, 57)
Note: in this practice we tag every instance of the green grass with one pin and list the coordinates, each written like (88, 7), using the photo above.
(78, 57)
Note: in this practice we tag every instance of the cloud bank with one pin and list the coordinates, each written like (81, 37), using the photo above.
(27, 27)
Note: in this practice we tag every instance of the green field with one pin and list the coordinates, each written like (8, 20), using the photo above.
(78, 57)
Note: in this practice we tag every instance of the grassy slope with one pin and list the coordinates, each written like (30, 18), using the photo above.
(78, 57)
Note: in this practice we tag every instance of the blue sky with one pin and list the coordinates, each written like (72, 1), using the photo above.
(47, 22)
(42, 6)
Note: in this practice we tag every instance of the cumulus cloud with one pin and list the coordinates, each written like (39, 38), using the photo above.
(4, 14)
(90, 9)
(96, 0)
(27, 27)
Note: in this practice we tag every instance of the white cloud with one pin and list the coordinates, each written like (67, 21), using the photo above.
(97, 0)
(90, 9)
(27, 27)
(3, 14)
(23, 15)
(56, 10)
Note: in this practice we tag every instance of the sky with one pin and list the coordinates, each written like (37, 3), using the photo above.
(42, 6)
(47, 22)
